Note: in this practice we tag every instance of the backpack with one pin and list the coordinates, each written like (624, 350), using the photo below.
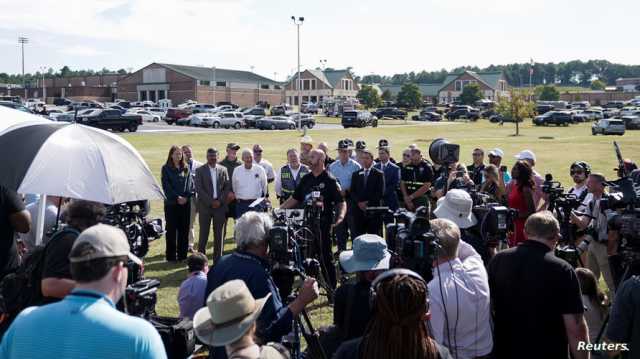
(22, 288)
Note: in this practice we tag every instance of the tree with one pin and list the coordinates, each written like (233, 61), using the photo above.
(470, 94)
(598, 85)
(387, 95)
(369, 97)
(547, 93)
(410, 96)
(516, 107)
(65, 71)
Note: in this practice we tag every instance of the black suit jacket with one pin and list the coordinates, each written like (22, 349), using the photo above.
(374, 189)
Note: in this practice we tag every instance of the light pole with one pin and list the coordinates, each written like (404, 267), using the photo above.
(530, 78)
(298, 23)
(44, 88)
(213, 84)
(23, 40)
(323, 63)
(252, 67)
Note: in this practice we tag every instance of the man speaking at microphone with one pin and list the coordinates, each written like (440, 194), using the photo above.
(367, 188)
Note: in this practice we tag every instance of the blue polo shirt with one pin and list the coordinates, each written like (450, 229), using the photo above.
(343, 172)
(85, 324)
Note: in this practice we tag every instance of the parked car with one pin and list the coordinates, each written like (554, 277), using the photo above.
(628, 111)
(614, 104)
(608, 126)
(425, 115)
(147, 116)
(255, 111)
(250, 120)
(463, 112)
(581, 105)
(228, 119)
(231, 106)
(500, 118)
(358, 119)
(611, 112)
(558, 118)
(68, 116)
(306, 120)
(162, 112)
(542, 109)
(276, 123)
(588, 115)
(15, 106)
(631, 122)
(281, 110)
(174, 114)
(111, 119)
(309, 107)
(435, 109)
(119, 108)
(202, 107)
(61, 101)
(390, 112)
(200, 119)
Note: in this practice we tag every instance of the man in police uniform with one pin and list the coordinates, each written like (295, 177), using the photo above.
(416, 178)
(360, 146)
(290, 175)
(330, 197)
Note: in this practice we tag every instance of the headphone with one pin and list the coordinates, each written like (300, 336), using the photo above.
(585, 166)
(390, 274)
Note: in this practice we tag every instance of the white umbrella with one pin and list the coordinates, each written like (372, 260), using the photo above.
(10, 117)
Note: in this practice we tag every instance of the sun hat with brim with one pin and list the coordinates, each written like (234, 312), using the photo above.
(456, 206)
(230, 312)
(369, 253)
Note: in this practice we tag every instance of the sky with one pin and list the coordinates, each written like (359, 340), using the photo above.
(373, 36)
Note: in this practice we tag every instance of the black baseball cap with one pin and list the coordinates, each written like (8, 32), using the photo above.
(233, 146)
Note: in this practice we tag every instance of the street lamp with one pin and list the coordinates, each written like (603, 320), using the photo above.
(323, 63)
(23, 40)
(44, 88)
(298, 23)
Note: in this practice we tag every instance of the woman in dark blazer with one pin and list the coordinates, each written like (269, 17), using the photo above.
(177, 208)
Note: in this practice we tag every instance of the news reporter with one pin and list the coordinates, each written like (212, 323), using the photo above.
(520, 196)
(493, 183)
(250, 263)
(177, 208)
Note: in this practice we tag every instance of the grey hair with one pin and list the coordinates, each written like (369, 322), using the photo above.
(292, 150)
(252, 229)
(246, 151)
(448, 235)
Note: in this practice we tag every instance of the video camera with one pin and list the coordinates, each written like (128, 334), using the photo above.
(442, 152)
(494, 221)
(131, 217)
(411, 241)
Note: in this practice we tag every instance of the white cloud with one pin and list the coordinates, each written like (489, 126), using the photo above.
(80, 50)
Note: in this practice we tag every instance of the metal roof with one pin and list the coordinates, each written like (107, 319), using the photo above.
(206, 74)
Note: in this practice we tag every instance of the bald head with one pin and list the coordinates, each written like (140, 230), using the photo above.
(317, 159)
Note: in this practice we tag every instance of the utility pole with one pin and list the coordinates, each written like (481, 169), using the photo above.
(213, 85)
(298, 23)
(23, 40)
(44, 88)
(323, 64)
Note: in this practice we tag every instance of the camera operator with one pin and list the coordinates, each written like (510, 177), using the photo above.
(457, 206)
(398, 327)
(624, 322)
(56, 271)
(595, 226)
(367, 188)
(456, 177)
(250, 263)
(13, 218)
(536, 298)
(86, 323)
(416, 179)
(459, 295)
(579, 172)
(330, 197)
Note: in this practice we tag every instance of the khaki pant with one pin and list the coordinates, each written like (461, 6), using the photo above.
(192, 219)
(598, 263)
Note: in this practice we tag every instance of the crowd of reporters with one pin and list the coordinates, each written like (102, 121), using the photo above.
(484, 300)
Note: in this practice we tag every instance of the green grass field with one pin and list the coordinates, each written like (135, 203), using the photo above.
(555, 147)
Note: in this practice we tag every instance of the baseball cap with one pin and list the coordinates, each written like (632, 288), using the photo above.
(233, 146)
(526, 155)
(496, 152)
(102, 241)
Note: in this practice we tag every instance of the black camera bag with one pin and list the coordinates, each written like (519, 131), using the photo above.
(177, 335)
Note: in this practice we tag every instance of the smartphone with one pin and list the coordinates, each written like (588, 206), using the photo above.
(459, 174)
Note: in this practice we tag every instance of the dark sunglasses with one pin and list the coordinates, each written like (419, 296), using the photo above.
(477, 154)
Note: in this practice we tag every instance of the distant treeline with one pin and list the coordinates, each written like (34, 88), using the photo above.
(65, 71)
(572, 73)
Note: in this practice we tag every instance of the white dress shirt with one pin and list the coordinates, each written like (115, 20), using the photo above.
(465, 289)
(268, 168)
(214, 180)
(249, 183)
(278, 182)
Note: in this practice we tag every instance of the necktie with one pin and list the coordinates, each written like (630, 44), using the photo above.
(366, 177)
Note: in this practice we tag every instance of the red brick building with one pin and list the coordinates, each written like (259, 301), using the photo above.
(180, 83)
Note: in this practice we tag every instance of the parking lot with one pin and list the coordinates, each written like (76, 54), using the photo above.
(161, 127)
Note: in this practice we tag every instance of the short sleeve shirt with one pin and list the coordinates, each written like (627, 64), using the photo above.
(531, 289)
(624, 323)
(414, 176)
(10, 203)
(328, 187)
